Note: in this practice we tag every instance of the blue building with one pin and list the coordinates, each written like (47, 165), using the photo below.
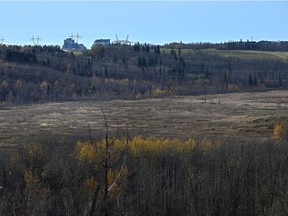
(102, 42)
(70, 44)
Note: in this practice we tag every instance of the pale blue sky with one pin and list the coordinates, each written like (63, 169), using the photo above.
(156, 22)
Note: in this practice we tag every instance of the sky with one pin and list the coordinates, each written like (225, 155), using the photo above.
(154, 22)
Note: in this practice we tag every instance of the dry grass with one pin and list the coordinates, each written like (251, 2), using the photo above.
(237, 116)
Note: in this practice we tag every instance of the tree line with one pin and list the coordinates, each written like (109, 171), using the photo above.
(262, 45)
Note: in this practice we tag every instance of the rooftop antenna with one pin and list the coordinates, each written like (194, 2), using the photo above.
(2, 40)
(35, 40)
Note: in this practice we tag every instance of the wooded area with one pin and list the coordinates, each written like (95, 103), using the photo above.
(118, 175)
(33, 74)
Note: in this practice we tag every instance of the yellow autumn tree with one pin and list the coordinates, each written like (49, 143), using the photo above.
(108, 171)
(281, 131)
(86, 151)
(139, 145)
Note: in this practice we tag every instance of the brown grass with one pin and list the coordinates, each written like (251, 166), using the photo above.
(241, 116)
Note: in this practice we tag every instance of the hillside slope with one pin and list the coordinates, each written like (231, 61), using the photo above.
(31, 74)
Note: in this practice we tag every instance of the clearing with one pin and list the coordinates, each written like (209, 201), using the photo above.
(241, 116)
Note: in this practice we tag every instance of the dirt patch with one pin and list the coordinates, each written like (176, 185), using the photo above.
(237, 115)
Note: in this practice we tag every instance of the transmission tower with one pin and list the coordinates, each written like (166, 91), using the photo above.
(2, 40)
(76, 37)
(122, 42)
(35, 40)
(72, 36)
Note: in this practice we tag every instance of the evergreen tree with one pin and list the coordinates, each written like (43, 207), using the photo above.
(147, 48)
(158, 49)
(255, 83)
(250, 80)
(280, 82)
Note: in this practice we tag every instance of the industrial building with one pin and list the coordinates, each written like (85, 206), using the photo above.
(102, 42)
(70, 44)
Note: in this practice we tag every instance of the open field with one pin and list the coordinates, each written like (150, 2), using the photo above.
(250, 54)
(239, 116)
(243, 54)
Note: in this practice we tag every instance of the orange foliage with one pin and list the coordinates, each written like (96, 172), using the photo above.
(138, 145)
(206, 145)
(90, 184)
(86, 151)
(281, 131)
(29, 179)
(95, 154)
(116, 178)
(151, 145)
(43, 85)
(157, 91)
(233, 87)
(35, 153)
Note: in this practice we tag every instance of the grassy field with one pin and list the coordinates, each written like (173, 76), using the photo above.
(246, 54)
(249, 54)
(244, 116)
